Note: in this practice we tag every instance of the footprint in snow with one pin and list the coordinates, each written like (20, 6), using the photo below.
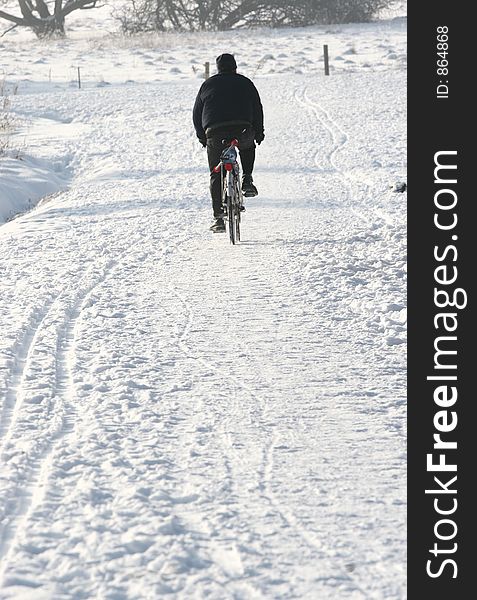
(394, 341)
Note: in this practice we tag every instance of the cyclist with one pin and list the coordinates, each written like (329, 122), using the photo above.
(228, 106)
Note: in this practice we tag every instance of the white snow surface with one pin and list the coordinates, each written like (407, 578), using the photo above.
(23, 182)
(181, 417)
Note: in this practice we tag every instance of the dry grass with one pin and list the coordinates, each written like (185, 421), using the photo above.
(6, 119)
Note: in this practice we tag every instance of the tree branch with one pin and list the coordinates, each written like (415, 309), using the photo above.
(26, 8)
(72, 5)
(7, 30)
(58, 8)
(29, 18)
(12, 18)
(42, 9)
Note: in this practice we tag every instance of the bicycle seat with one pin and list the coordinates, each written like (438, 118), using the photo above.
(232, 141)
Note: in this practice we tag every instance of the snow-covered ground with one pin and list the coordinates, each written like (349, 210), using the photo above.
(181, 417)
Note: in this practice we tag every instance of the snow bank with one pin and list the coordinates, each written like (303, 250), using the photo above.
(23, 182)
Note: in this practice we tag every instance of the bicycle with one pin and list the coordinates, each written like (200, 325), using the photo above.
(232, 197)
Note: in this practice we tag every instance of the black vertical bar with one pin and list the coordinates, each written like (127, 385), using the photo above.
(327, 60)
(79, 78)
(441, 273)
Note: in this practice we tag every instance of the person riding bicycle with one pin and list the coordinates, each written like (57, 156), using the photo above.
(228, 106)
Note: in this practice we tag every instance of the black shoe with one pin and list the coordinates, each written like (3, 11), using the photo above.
(248, 189)
(218, 226)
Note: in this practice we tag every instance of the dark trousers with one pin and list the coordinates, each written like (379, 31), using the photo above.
(245, 136)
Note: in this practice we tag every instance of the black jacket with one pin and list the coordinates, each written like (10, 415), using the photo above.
(227, 97)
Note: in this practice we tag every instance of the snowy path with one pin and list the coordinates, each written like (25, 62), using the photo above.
(185, 417)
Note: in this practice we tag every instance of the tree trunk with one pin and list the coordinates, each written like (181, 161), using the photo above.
(37, 16)
(54, 27)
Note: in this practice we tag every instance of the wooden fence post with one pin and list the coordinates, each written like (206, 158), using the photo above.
(79, 78)
(207, 70)
(327, 60)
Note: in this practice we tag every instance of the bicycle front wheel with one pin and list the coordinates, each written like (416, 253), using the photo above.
(238, 205)
(237, 223)
(231, 219)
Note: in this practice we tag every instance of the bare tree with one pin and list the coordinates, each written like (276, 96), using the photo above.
(192, 15)
(45, 18)
(343, 11)
(141, 16)
(177, 15)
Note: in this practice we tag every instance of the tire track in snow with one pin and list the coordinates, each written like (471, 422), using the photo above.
(34, 488)
(27, 493)
(294, 523)
(227, 461)
(240, 586)
(15, 392)
(265, 471)
(63, 420)
(340, 140)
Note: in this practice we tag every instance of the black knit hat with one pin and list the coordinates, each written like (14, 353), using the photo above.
(225, 63)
